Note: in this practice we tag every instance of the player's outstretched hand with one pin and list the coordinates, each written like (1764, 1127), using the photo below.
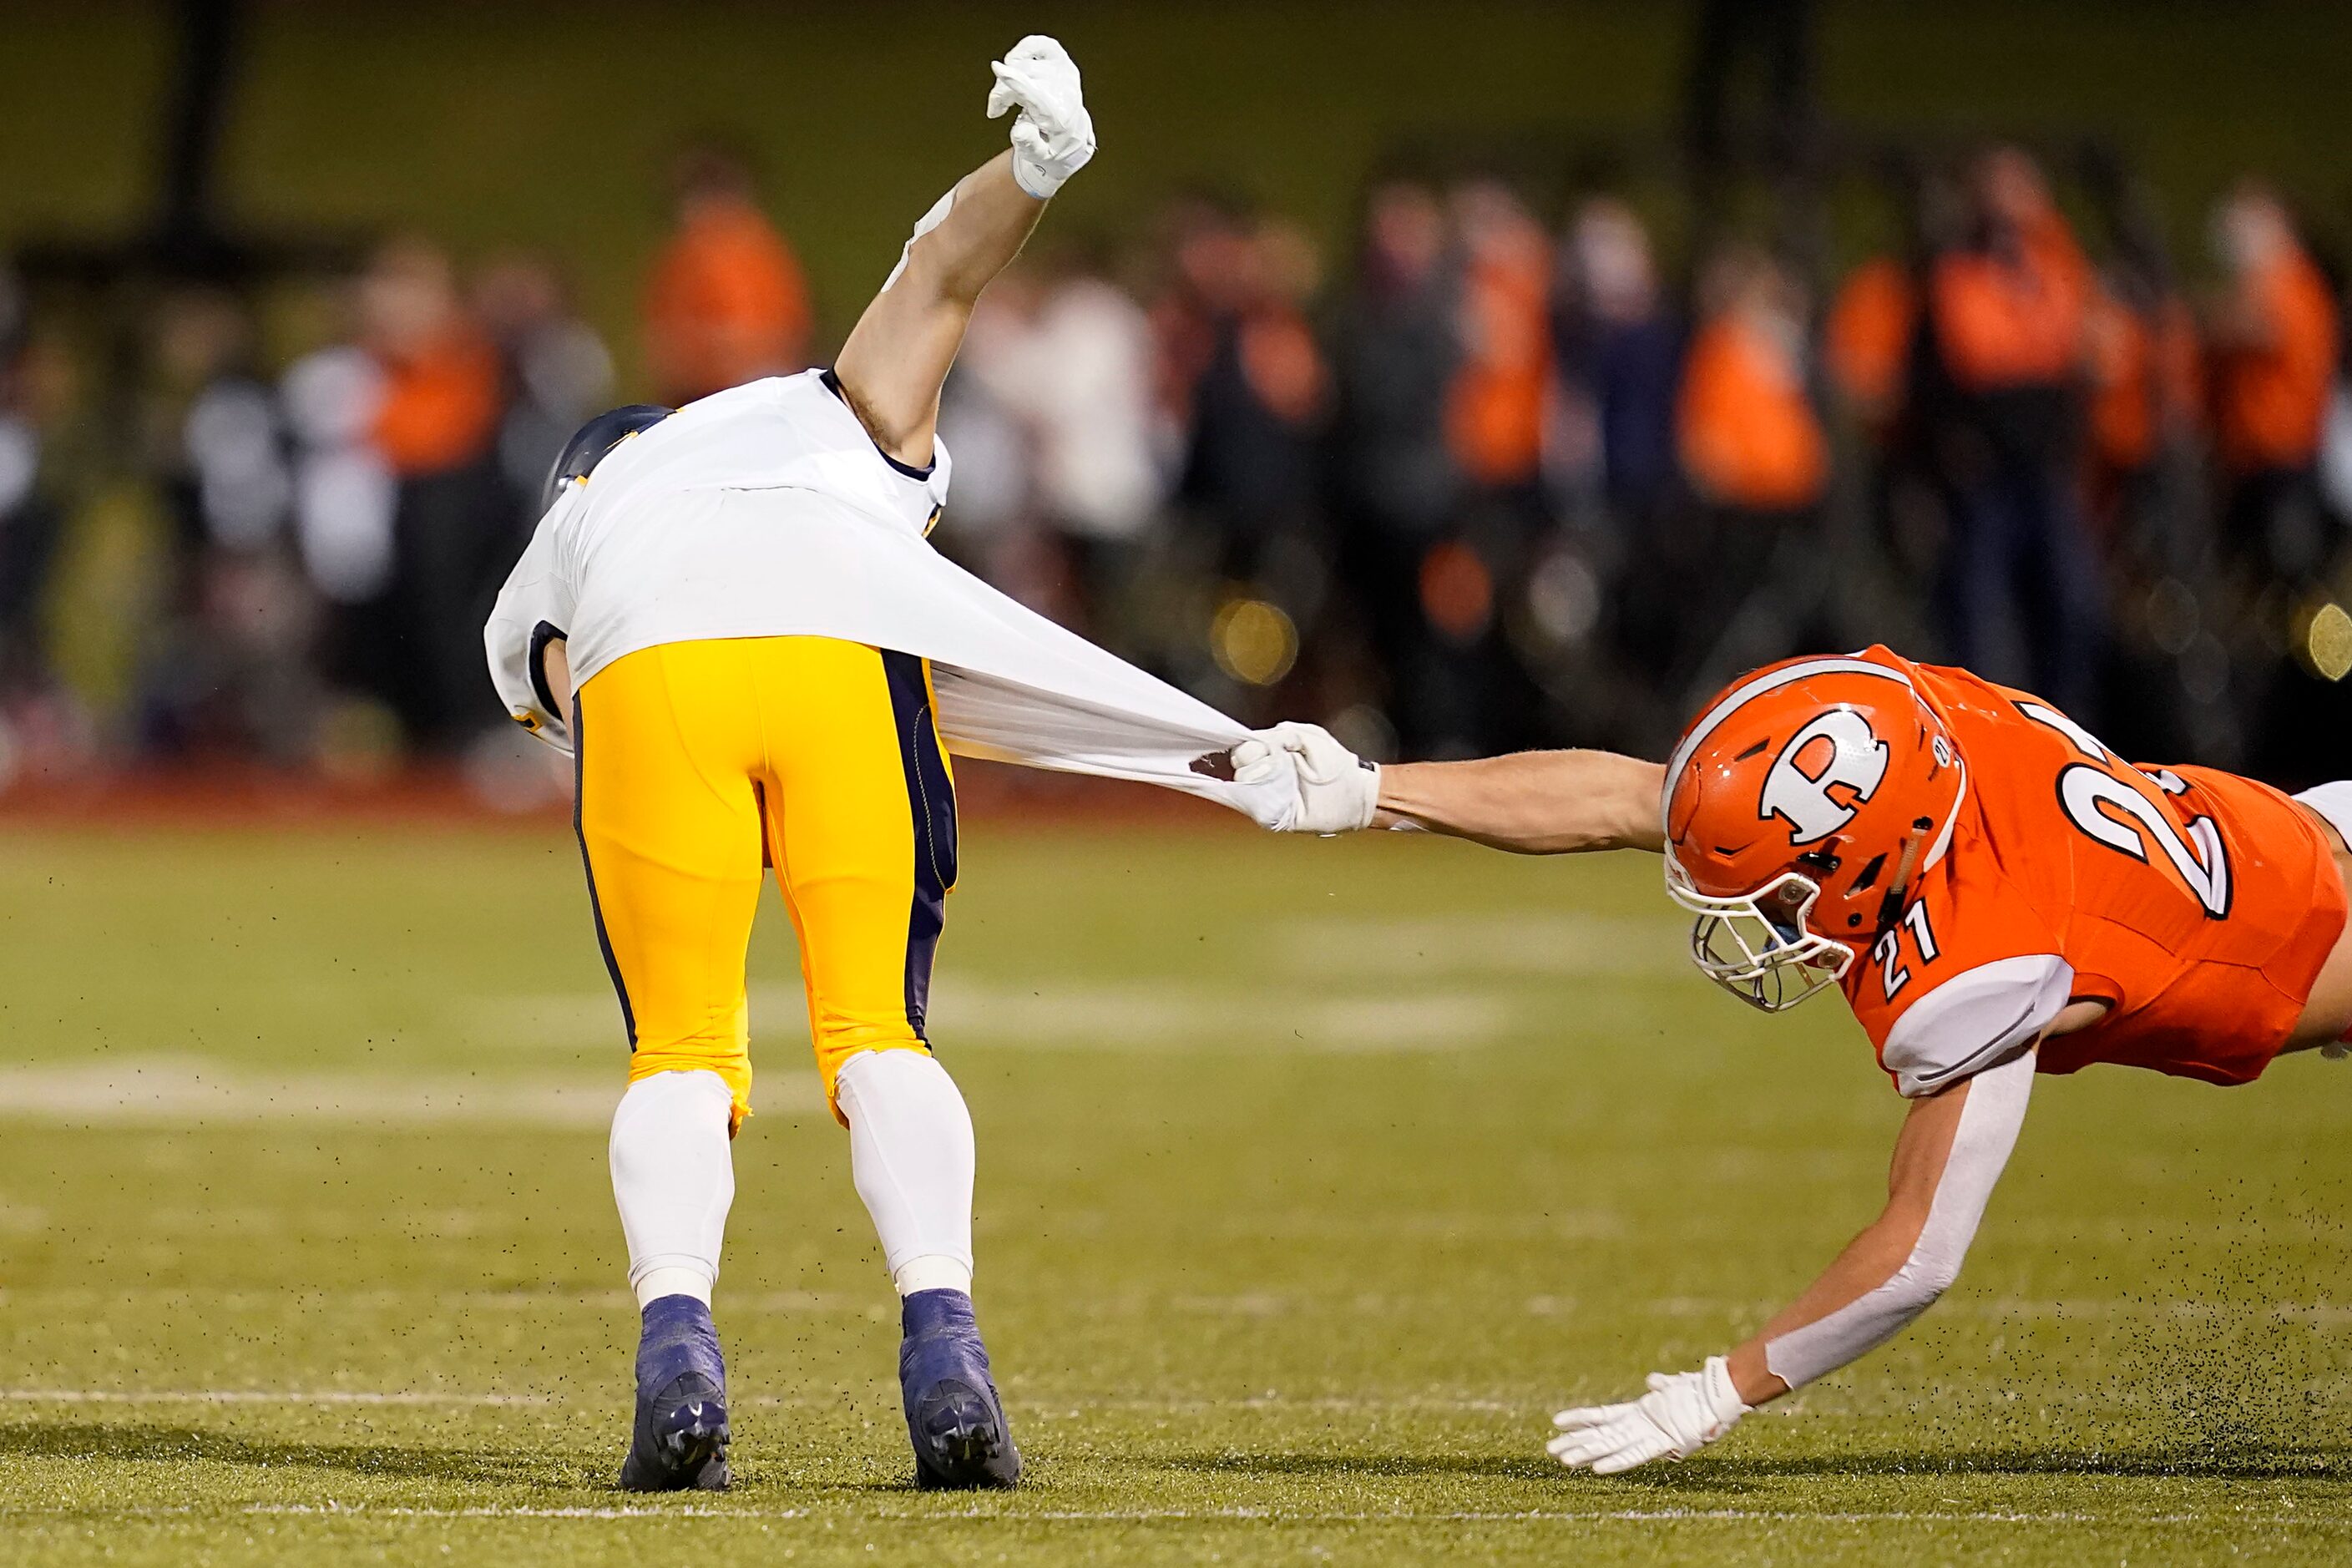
(1683, 1413)
(1337, 791)
(1054, 135)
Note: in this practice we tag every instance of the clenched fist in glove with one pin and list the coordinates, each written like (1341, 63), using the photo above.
(1339, 792)
(1683, 1413)
(1054, 135)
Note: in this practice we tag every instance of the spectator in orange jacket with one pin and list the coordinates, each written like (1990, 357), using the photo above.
(435, 426)
(1866, 341)
(2141, 356)
(2002, 388)
(2274, 350)
(727, 302)
(1495, 405)
(441, 400)
(1750, 439)
(1754, 464)
(2009, 308)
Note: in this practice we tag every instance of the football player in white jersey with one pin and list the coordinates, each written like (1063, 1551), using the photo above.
(731, 617)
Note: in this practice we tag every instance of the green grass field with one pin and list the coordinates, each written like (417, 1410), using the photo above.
(1314, 1177)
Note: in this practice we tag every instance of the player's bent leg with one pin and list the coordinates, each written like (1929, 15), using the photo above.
(911, 1155)
(668, 819)
(668, 826)
(673, 1180)
(862, 830)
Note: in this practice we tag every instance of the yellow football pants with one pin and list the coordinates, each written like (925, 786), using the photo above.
(700, 761)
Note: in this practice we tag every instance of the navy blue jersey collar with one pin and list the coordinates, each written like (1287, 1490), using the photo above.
(833, 384)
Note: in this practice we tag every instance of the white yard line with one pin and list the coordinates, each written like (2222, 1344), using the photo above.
(1015, 1514)
(1049, 1406)
(1204, 1018)
(195, 1091)
(1632, 1516)
(264, 1397)
(1537, 943)
(648, 1511)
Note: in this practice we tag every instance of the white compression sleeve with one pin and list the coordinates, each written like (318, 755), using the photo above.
(673, 1178)
(911, 1152)
(1981, 1148)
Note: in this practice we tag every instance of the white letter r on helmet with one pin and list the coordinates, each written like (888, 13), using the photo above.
(1837, 747)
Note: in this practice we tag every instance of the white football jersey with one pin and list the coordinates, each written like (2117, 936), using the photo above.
(767, 511)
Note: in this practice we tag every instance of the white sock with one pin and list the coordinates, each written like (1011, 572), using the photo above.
(910, 1151)
(673, 1177)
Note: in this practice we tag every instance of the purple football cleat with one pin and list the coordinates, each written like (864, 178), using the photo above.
(954, 1416)
(680, 1442)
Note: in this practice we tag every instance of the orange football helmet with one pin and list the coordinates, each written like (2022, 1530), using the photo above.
(1801, 807)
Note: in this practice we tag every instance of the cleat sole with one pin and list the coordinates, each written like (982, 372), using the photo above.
(965, 1446)
(691, 1456)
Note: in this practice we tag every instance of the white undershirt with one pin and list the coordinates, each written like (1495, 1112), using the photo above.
(1978, 1015)
(1989, 1120)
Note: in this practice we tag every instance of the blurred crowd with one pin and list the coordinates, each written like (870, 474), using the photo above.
(1505, 482)
(1508, 474)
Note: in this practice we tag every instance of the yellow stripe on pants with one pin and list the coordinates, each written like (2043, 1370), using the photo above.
(698, 760)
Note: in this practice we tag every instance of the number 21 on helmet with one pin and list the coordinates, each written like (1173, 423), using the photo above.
(1801, 808)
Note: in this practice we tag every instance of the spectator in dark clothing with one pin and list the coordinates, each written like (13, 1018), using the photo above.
(437, 427)
(1999, 390)
(2275, 341)
(1258, 388)
(224, 672)
(555, 370)
(1620, 349)
(30, 516)
(1396, 352)
(1244, 378)
(2273, 334)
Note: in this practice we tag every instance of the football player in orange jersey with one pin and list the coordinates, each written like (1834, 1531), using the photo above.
(1995, 893)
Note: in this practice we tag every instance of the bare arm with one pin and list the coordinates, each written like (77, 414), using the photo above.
(1951, 1151)
(897, 356)
(1531, 802)
(555, 664)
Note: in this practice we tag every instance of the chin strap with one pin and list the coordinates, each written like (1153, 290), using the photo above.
(1890, 907)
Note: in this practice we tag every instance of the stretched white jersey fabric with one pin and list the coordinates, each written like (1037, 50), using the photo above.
(767, 511)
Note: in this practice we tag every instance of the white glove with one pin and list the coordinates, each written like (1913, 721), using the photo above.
(1054, 135)
(1337, 791)
(1683, 1413)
